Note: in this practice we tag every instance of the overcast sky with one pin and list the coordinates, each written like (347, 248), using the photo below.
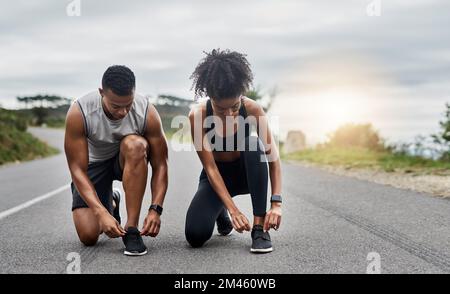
(329, 60)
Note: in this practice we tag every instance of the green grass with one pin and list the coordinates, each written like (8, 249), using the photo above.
(18, 145)
(15, 143)
(365, 158)
(55, 123)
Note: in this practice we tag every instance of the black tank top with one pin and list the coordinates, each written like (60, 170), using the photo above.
(217, 142)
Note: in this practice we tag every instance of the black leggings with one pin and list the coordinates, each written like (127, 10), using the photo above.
(246, 175)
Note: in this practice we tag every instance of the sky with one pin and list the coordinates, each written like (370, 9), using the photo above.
(330, 62)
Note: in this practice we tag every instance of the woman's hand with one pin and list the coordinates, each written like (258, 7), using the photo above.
(273, 218)
(239, 221)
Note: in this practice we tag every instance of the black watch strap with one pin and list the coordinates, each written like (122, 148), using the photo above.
(276, 198)
(156, 208)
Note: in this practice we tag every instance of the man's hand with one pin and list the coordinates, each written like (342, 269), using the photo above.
(110, 226)
(240, 222)
(152, 223)
(273, 218)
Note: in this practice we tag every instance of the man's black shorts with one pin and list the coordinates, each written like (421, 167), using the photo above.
(102, 174)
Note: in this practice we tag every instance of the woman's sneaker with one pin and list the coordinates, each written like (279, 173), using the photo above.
(134, 245)
(261, 242)
(224, 225)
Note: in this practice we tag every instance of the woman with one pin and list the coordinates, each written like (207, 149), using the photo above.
(234, 162)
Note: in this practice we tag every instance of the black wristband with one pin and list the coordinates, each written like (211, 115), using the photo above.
(156, 208)
(276, 198)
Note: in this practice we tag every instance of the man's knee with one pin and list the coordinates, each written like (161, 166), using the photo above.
(88, 239)
(134, 147)
(86, 226)
(88, 235)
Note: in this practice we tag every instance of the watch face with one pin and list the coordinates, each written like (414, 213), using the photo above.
(275, 198)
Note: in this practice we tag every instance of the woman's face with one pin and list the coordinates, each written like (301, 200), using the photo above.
(227, 106)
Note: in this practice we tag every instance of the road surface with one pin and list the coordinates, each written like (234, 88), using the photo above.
(330, 225)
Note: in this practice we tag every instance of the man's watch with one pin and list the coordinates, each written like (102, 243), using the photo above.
(276, 198)
(156, 208)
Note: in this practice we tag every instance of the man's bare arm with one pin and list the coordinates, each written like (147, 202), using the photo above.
(158, 160)
(158, 155)
(76, 149)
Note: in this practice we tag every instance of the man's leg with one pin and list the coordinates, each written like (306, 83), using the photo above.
(133, 162)
(87, 226)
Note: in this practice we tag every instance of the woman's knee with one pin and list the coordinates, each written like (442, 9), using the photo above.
(196, 237)
(197, 230)
(201, 215)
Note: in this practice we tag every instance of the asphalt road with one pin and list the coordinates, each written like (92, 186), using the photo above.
(330, 225)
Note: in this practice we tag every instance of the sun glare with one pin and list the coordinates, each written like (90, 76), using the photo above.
(334, 108)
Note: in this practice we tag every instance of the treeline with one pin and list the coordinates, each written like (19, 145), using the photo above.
(41, 110)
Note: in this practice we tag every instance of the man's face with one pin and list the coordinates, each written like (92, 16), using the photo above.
(117, 107)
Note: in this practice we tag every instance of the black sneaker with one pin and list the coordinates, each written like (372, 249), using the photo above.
(261, 242)
(224, 225)
(134, 245)
(116, 199)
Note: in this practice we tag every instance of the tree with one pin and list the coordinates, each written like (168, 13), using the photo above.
(443, 137)
(43, 100)
(257, 95)
(254, 94)
(25, 100)
(356, 135)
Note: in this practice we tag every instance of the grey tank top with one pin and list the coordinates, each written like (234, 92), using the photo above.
(103, 134)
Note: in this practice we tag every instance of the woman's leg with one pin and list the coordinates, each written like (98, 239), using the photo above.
(255, 163)
(257, 179)
(207, 206)
(202, 214)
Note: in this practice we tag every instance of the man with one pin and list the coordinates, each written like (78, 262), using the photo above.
(112, 134)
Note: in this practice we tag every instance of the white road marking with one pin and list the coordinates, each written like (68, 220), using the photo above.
(27, 204)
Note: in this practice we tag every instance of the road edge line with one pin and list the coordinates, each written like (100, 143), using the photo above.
(29, 203)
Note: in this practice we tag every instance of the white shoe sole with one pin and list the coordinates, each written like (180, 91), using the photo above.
(134, 253)
(219, 234)
(266, 250)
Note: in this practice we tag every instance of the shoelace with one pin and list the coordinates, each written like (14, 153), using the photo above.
(261, 235)
(133, 237)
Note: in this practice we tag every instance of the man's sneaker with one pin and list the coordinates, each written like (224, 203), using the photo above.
(134, 245)
(224, 225)
(261, 242)
(116, 199)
